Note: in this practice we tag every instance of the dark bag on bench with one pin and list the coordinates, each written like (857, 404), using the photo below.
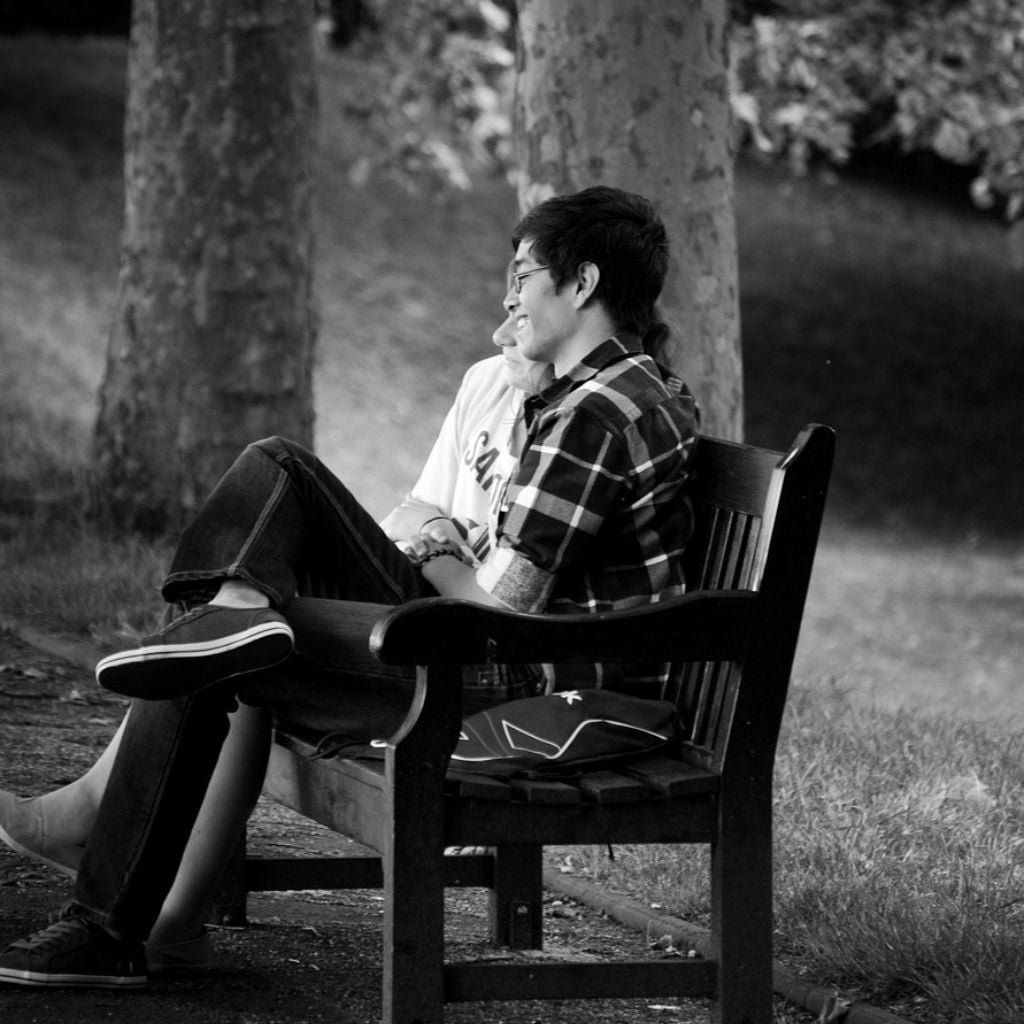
(562, 733)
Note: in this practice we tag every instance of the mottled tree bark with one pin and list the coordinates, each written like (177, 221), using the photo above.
(213, 340)
(635, 93)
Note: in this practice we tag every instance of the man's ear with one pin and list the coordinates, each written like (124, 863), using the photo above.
(587, 276)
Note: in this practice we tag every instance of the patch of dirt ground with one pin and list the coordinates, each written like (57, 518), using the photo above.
(304, 957)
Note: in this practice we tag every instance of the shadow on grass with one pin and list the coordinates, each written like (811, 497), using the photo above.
(898, 322)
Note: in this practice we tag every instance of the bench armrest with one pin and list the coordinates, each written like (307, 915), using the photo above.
(700, 626)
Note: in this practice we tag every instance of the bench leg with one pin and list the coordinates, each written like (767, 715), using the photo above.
(516, 898)
(413, 991)
(741, 929)
(413, 861)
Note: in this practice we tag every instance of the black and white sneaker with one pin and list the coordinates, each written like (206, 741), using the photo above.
(204, 646)
(73, 952)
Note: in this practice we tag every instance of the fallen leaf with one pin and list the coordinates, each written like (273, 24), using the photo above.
(834, 1009)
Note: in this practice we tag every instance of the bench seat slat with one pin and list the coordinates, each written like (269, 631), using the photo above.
(477, 787)
(544, 791)
(612, 788)
(672, 778)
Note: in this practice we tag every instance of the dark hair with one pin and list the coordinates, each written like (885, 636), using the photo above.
(659, 341)
(620, 232)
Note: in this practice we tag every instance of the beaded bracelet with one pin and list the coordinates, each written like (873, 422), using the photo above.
(437, 554)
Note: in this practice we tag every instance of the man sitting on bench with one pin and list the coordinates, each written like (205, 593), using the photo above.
(591, 519)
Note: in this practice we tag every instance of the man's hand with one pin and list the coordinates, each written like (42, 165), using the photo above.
(414, 519)
(419, 545)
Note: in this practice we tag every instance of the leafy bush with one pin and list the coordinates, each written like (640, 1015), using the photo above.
(944, 78)
(431, 83)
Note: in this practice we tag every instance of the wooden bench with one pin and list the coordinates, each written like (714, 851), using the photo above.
(731, 639)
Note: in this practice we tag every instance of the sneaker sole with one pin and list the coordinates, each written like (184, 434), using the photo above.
(35, 855)
(38, 980)
(166, 671)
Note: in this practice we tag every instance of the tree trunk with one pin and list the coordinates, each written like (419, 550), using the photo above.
(213, 340)
(635, 93)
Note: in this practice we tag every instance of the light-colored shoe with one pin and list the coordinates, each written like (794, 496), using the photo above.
(180, 957)
(23, 829)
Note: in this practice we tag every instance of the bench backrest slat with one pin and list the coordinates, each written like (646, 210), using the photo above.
(728, 491)
(735, 492)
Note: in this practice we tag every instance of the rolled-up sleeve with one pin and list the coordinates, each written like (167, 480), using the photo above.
(569, 477)
(515, 581)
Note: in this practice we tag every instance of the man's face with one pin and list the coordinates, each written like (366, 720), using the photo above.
(519, 372)
(545, 319)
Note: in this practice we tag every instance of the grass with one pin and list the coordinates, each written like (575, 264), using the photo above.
(80, 583)
(896, 319)
(899, 859)
(900, 854)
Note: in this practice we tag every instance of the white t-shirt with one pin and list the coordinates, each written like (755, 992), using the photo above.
(471, 460)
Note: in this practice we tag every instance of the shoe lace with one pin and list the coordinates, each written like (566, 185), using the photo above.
(55, 936)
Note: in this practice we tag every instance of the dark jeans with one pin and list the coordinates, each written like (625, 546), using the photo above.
(282, 521)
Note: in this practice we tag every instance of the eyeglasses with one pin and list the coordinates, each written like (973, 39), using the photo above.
(517, 279)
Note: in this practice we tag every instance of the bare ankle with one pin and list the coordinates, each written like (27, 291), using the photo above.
(239, 594)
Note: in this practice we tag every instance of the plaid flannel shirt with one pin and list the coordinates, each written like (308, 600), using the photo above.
(594, 519)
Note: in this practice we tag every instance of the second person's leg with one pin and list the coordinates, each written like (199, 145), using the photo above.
(280, 523)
